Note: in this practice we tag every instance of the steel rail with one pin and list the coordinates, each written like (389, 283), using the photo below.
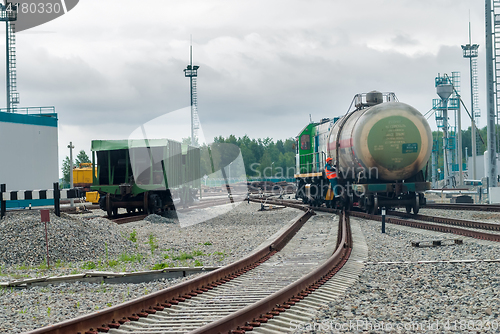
(431, 227)
(448, 221)
(463, 206)
(250, 316)
(142, 306)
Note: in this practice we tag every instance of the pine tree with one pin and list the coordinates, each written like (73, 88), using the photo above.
(82, 157)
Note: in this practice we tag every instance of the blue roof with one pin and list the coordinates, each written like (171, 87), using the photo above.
(49, 119)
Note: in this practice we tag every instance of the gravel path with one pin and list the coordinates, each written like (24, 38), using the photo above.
(418, 298)
(135, 246)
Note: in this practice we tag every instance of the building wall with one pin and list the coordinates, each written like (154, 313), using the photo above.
(28, 151)
(480, 173)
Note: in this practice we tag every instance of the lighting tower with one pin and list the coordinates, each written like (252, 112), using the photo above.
(192, 72)
(492, 24)
(470, 51)
(8, 13)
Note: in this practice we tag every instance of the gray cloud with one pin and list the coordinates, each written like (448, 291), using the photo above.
(264, 66)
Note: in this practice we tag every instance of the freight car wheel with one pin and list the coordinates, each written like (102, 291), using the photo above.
(416, 206)
(154, 203)
(109, 207)
(408, 208)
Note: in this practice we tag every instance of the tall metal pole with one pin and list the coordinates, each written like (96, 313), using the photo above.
(467, 161)
(434, 166)
(447, 172)
(459, 145)
(7, 61)
(490, 120)
(473, 125)
(191, 85)
(71, 147)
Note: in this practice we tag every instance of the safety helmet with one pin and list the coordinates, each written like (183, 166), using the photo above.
(329, 159)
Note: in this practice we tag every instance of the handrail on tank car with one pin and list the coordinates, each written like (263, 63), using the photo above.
(319, 159)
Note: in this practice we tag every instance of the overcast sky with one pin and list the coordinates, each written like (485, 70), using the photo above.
(110, 66)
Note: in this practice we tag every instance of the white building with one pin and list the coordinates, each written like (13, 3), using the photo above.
(28, 153)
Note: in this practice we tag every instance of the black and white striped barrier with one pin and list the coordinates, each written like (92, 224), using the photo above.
(56, 194)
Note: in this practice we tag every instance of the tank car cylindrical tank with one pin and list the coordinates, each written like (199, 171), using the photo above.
(387, 141)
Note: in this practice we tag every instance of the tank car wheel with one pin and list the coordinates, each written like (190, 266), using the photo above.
(416, 206)
(115, 212)
(130, 210)
(408, 208)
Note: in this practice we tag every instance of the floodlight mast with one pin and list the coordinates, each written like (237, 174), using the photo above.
(471, 51)
(192, 72)
(8, 14)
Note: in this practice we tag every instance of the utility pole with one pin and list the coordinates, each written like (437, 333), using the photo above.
(491, 164)
(71, 147)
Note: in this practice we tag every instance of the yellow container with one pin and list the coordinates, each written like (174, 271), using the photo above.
(83, 176)
(92, 197)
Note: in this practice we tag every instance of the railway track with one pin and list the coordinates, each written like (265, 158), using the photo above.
(295, 260)
(440, 225)
(463, 206)
(257, 292)
(229, 278)
(448, 221)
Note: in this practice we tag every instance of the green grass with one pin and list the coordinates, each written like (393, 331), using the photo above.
(22, 267)
(160, 266)
(198, 252)
(62, 264)
(124, 257)
(198, 263)
(89, 265)
(208, 243)
(133, 236)
(183, 256)
(113, 263)
(18, 276)
(152, 243)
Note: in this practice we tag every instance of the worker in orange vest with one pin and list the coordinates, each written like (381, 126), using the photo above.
(331, 174)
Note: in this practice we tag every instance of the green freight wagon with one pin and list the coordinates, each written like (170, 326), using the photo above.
(144, 175)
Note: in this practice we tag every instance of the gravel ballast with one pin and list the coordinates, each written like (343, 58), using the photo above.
(136, 246)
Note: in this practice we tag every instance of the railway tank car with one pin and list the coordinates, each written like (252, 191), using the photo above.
(380, 149)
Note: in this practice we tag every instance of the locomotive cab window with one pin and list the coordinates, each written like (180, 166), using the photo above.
(305, 142)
